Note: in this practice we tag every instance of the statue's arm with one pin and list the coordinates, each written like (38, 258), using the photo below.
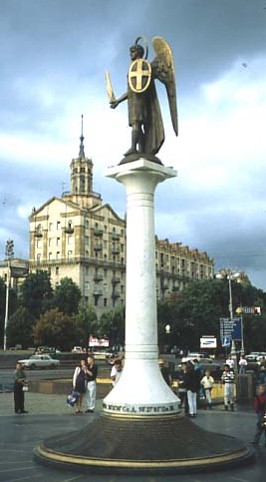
(116, 102)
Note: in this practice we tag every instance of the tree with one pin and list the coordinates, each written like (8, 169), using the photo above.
(57, 329)
(198, 310)
(19, 328)
(36, 293)
(88, 322)
(67, 296)
(112, 325)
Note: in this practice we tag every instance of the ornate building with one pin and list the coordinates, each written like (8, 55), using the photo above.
(80, 237)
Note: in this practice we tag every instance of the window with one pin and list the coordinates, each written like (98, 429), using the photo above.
(87, 240)
(69, 254)
(58, 255)
(50, 226)
(38, 258)
(39, 243)
(58, 224)
(57, 270)
(57, 241)
(105, 302)
(50, 256)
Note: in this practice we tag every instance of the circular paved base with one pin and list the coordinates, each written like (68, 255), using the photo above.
(168, 444)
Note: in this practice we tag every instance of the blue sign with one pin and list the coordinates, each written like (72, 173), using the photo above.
(230, 328)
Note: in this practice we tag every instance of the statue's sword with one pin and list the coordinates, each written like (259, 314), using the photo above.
(109, 87)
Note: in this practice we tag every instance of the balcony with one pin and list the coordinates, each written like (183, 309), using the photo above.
(98, 232)
(98, 277)
(97, 247)
(37, 234)
(115, 250)
(115, 280)
(115, 237)
(69, 230)
(97, 292)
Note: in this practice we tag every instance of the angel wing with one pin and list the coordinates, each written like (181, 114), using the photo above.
(163, 69)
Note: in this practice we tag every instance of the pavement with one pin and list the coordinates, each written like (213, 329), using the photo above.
(49, 415)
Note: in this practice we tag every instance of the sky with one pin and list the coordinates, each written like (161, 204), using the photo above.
(53, 57)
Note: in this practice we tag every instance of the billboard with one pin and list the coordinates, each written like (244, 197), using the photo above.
(230, 329)
(208, 342)
(96, 342)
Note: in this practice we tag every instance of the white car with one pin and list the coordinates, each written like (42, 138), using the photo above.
(40, 361)
(192, 356)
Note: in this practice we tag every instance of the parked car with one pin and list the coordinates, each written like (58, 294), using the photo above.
(77, 349)
(252, 357)
(40, 361)
(192, 356)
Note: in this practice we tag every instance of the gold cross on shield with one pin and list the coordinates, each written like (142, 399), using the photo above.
(139, 75)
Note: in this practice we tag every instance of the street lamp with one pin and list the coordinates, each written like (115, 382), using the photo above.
(9, 252)
(231, 275)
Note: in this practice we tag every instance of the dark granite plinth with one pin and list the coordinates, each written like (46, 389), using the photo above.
(166, 444)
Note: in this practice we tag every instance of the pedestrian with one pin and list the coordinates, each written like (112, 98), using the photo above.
(182, 391)
(200, 373)
(260, 409)
(242, 365)
(192, 385)
(262, 376)
(165, 372)
(91, 375)
(79, 383)
(20, 382)
(207, 383)
(228, 381)
(229, 361)
(116, 371)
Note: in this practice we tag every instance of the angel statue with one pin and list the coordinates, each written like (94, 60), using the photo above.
(144, 114)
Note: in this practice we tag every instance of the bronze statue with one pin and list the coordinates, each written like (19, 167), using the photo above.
(144, 114)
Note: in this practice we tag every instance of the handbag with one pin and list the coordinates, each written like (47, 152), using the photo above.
(72, 398)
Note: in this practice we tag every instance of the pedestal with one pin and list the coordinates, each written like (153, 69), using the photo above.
(141, 429)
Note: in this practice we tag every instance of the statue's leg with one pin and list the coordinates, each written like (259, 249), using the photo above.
(134, 140)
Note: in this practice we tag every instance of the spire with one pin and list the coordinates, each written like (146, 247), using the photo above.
(81, 146)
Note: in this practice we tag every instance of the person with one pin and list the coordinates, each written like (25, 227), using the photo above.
(229, 361)
(242, 365)
(91, 375)
(262, 375)
(200, 373)
(228, 381)
(182, 391)
(207, 383)
(116, 371)
(20, 382)
(192, 386)
(259, 405)
(79, 383)
(165, 372)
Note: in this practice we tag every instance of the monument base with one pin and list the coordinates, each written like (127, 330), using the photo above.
(161, 444)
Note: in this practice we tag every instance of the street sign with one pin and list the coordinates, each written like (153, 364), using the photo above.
(226, 341)
(231, 328)
(249, 310)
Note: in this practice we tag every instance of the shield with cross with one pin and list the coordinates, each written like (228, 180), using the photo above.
(139, 75)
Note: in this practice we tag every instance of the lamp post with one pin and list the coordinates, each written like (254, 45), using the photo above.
(9, 253)
(230, 275)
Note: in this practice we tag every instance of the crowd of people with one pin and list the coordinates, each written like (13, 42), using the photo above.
(194, 386)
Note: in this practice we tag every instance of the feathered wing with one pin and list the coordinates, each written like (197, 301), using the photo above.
(163, 69)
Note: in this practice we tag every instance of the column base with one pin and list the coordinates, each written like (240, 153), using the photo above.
(167, 444)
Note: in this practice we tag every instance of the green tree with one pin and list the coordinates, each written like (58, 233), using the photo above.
(88, 322)
(19, 329)
(36, 293)
(199, 307)
(112, 325)
(57, 329)
(67, 296)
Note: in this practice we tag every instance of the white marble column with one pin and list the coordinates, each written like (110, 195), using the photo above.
(141, 389)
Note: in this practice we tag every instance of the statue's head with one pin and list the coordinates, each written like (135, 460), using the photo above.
(136, 51)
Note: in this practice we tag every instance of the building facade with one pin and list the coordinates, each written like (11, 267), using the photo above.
(80, 237)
